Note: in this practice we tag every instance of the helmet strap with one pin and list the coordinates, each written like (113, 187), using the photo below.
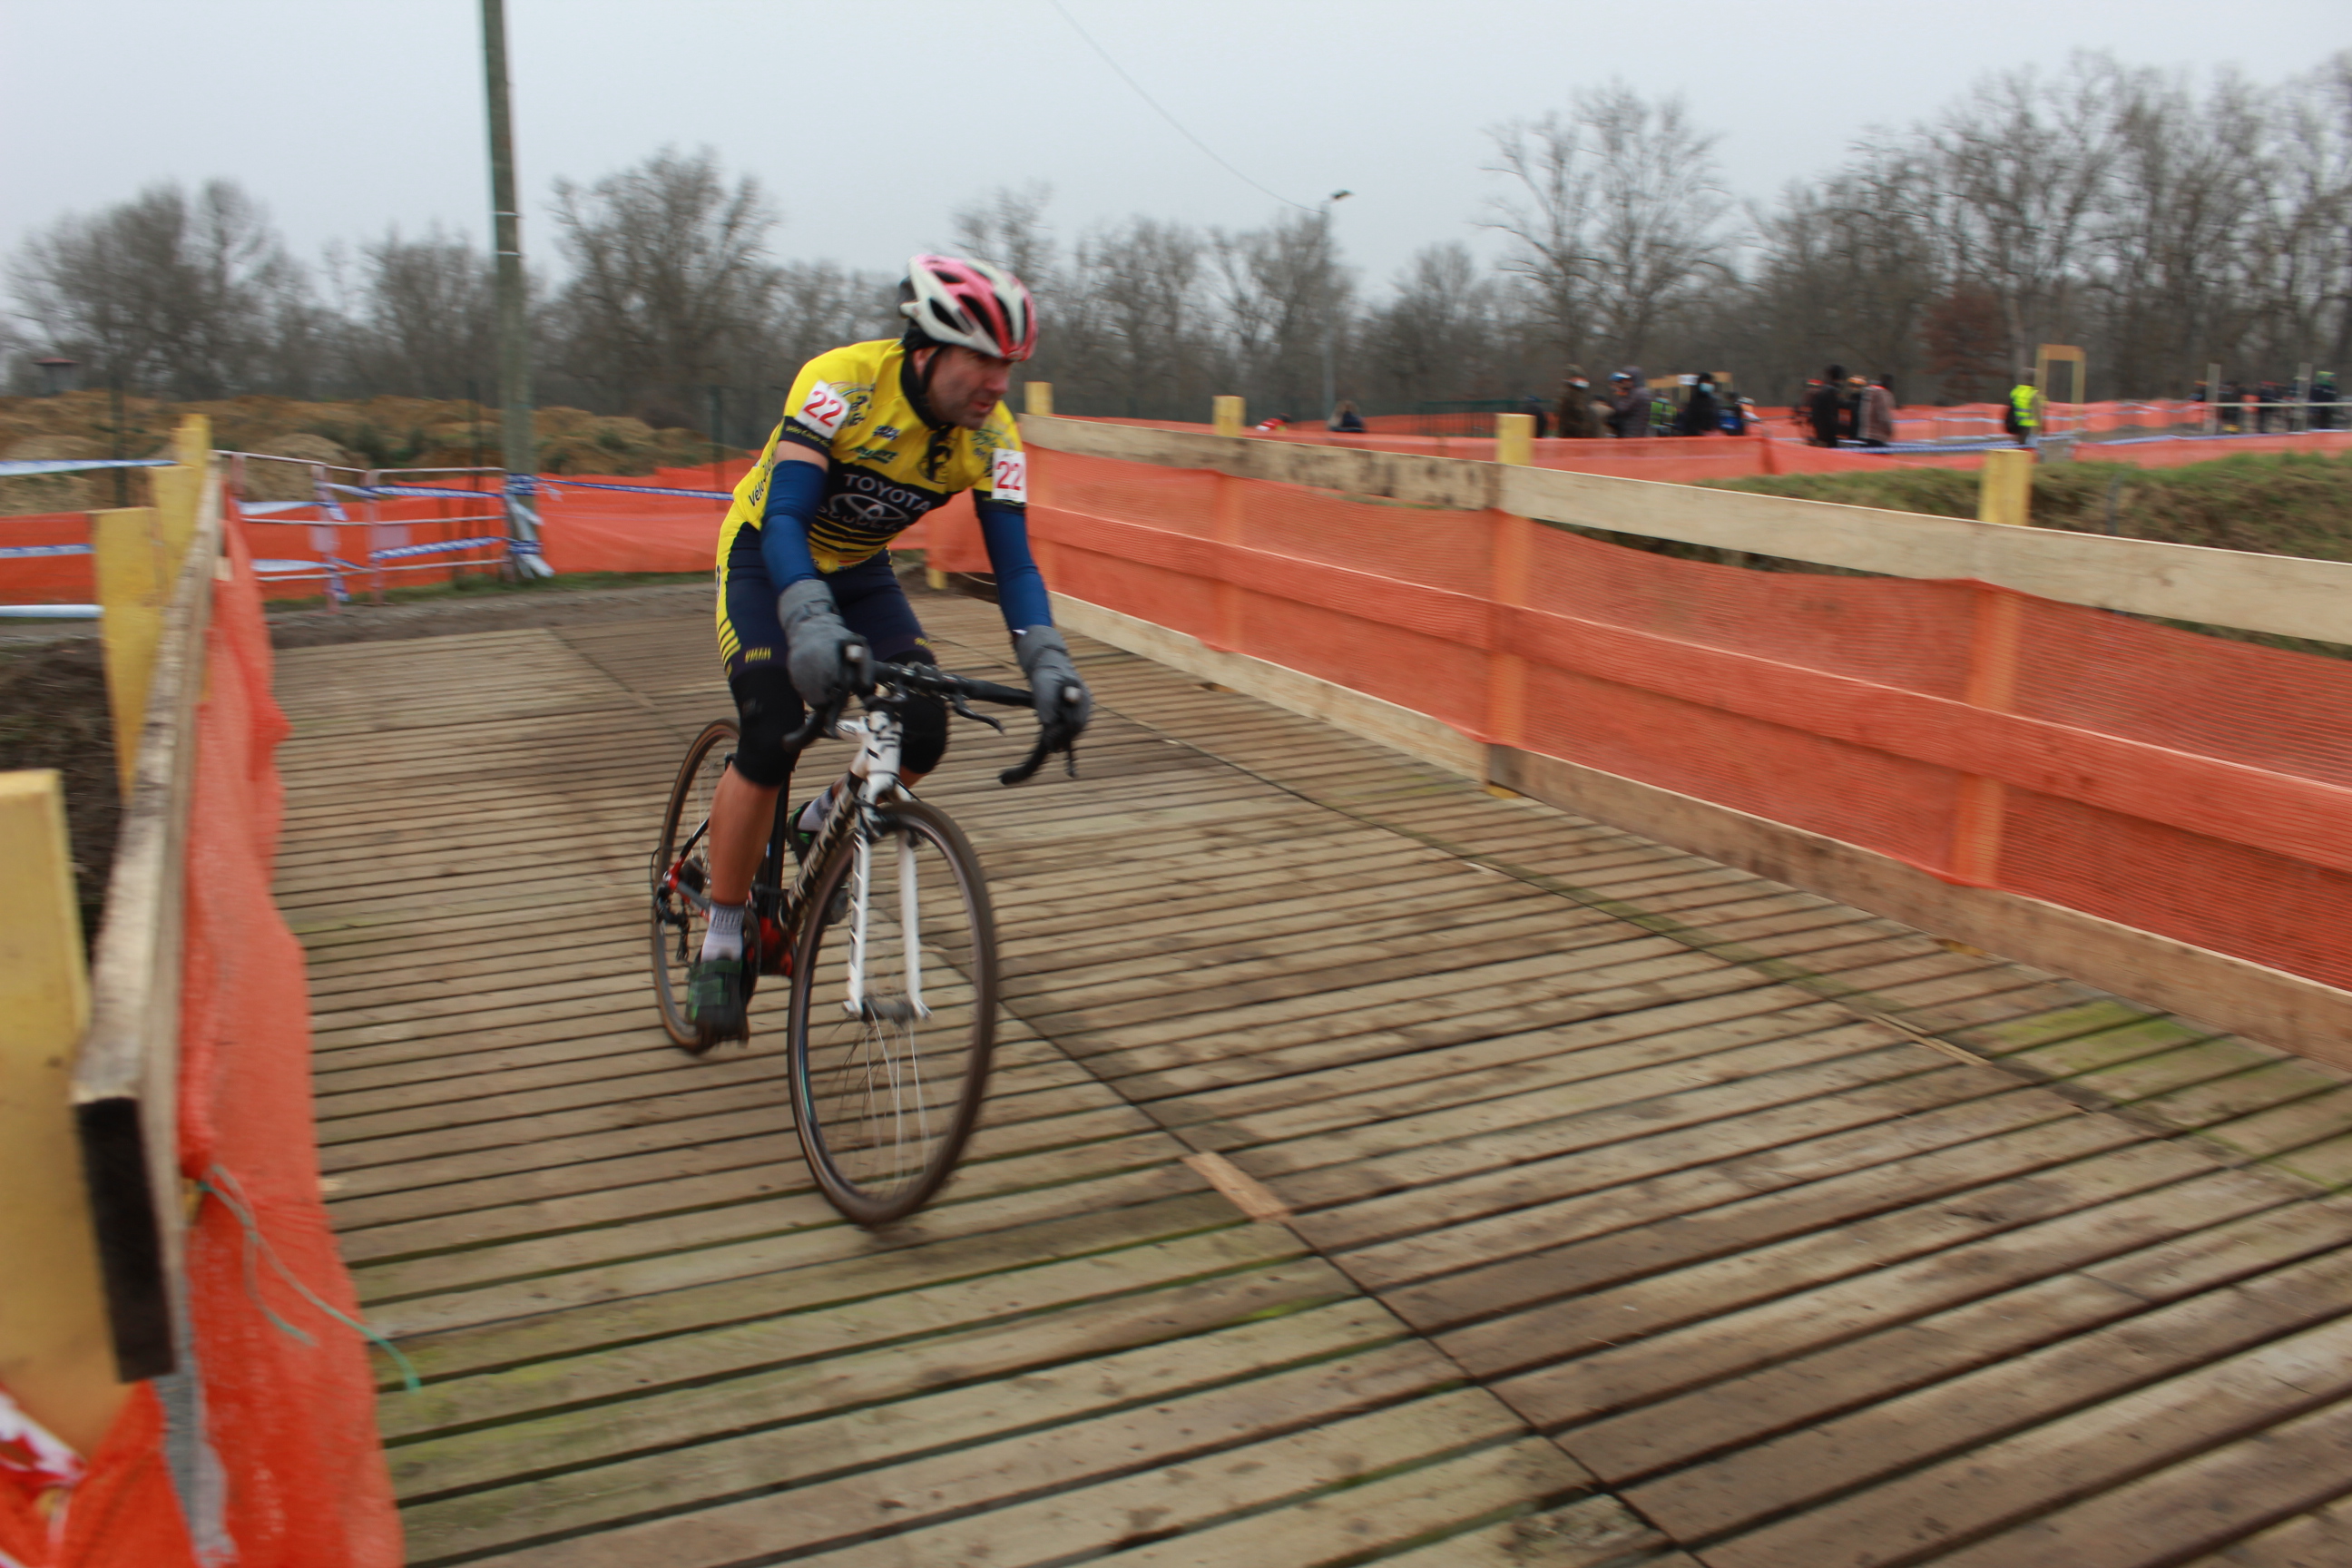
(918, 387)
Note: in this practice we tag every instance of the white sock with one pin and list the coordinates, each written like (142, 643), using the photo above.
(724, 939)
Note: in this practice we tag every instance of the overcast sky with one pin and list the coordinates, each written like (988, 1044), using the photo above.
(869, 123)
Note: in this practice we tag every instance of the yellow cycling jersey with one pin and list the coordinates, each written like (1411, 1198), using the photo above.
(888, 467)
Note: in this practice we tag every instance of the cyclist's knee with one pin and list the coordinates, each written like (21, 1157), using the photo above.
(923, 737)
(769, 709)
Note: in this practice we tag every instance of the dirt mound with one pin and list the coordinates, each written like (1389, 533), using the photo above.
(51, 492)
(285, 482)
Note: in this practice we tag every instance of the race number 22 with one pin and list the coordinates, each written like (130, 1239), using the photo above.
(823, 408)
(1010, 479)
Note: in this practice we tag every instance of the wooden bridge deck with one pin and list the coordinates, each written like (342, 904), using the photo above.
(1619, 1208)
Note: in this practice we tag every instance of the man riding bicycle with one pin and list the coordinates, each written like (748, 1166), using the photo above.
(874, 436)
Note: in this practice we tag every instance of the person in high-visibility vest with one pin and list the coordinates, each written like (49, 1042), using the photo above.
(2024, 418)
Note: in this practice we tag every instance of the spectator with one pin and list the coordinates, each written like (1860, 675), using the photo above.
(1822, 405)
(2323, 401)
(2022, 419)
(1345, 419)
(1877, 412)
(1739, 416)
(1850, 408)
(1629, 405)
(1702, 415)
(1576, 421)
(1275, 422)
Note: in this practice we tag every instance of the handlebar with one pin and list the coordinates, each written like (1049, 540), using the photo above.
(931, 680)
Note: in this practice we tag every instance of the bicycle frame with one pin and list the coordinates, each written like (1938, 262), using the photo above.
(872, 775)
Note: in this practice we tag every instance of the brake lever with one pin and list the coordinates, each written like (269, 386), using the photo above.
(965, 710)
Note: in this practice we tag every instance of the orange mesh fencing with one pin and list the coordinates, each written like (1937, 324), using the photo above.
(2176, 783)
(46, 579)
(287, 1395)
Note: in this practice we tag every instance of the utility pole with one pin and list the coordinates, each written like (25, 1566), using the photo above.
(1331, 311)
(519, 449)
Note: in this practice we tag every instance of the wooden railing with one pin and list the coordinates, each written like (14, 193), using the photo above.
(1970, 734)
(91, 1229)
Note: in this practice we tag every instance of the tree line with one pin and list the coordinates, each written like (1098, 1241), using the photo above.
(2159, 222)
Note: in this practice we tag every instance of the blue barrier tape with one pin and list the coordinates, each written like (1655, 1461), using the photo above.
(427, 490)
(647, 491)
(21, 466)
(402, 552)
(524, 547)
(19, 552)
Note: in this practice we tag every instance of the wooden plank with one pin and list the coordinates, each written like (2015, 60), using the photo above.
(1089, 1428)
(56, 1359)
(126, 1075)
(1948, 1503)
(1742, 1418)
(2268, 1004)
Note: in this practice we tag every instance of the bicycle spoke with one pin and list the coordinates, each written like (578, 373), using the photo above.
(891, 1027)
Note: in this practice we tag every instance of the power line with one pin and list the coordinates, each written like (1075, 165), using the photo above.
(1172, 119)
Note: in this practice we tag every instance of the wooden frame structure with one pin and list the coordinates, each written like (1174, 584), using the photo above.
(2281, 595)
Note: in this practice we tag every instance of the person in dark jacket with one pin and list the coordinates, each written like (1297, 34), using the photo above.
(1822, 406)
(1533, 407)
(1702, 415)
(2323, 401)
(1629, 405)
(1346, 419)
(1576, 420)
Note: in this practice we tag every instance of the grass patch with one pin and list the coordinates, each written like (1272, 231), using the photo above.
(2275, 503)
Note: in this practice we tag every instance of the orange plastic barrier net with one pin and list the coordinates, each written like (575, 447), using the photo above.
(287, 1394)
(2176, 783)
(290, 1410)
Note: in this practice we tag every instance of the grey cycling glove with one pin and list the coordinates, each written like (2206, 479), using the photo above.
(819, 651)
(1063, 703)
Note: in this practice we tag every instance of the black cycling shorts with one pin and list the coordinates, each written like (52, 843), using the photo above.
(751, 644)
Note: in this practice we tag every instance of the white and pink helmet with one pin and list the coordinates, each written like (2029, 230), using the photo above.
(952, 299)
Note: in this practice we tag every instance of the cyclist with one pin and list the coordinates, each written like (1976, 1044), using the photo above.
(874, 436)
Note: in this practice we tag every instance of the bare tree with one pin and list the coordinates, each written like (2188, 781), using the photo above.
(1283, 296)
(670, 272)
(186, 296)
(423, 322)
(1437, 337)
(1616, 211)
(1548, 216)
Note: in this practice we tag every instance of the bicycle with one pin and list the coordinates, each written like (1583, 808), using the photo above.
(891, 1020)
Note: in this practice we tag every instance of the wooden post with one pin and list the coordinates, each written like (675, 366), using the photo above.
(2005, 488)
(56, 1359)
(134, 576)
(1037, 397)
(1513, 549)
(1228, 415)
(1514, 437)
(2005, 496)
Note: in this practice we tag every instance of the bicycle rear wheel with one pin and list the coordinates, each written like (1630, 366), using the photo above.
(889, 1055)
(678, 921)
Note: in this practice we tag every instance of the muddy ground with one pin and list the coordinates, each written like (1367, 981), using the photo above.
(53, 715)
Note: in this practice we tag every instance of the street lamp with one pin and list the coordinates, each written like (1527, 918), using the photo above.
(1330, 312)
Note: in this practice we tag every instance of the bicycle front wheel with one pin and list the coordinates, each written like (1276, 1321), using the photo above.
(893, 1011)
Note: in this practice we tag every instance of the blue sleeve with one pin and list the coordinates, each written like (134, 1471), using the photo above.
(1020, 587)
(793, 491)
